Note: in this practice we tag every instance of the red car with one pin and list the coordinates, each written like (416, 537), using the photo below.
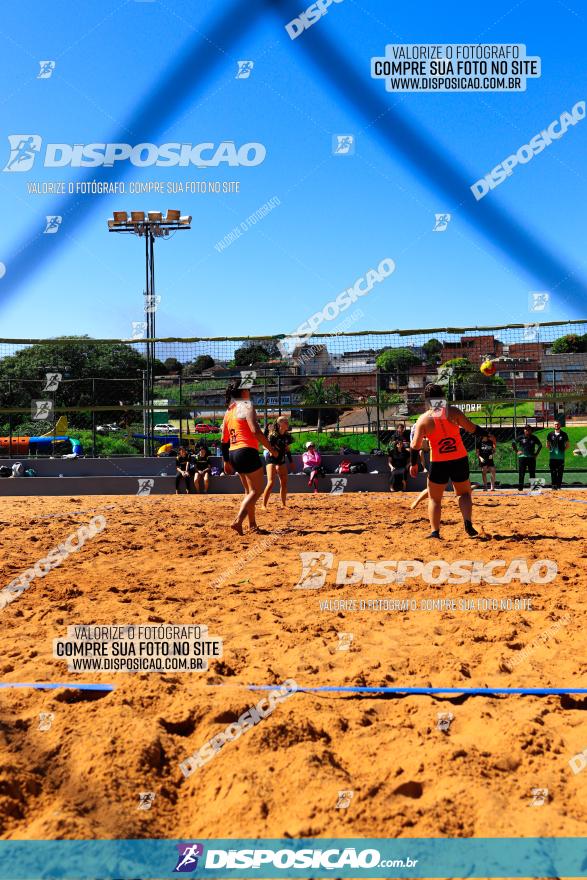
(206, 429)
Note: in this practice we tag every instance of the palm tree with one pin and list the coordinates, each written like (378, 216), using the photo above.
(315, 395)
(318, 395)
(337, 396)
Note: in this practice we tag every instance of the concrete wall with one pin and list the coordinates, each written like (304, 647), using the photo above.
(125, 476)
(137, 466)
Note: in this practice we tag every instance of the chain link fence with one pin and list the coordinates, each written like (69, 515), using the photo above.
(97, 392)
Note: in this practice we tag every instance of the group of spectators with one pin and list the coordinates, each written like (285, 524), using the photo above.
(192, 469)
(527, 448)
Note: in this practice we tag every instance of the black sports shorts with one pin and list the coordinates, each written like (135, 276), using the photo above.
(245, 460)
(489, 462)
(456, 469)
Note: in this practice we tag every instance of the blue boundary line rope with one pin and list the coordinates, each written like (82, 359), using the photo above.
(50, 685)
(424, 690)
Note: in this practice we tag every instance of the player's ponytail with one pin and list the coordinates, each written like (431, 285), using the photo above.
(233, 391)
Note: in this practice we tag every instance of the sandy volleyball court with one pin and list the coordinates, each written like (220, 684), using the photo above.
(159, 560)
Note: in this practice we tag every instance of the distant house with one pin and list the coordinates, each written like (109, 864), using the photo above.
(564, 373)
(355, 361)
(475, 348)
(311, 360)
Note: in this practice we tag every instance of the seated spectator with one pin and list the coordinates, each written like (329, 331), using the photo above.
(201, 469)
(312, 465)
(398, 458)
(182, 473)
(402, 435)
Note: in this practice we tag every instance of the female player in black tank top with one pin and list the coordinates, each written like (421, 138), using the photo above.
(280, 438)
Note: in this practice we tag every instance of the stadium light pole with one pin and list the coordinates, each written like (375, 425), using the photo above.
(151, 225)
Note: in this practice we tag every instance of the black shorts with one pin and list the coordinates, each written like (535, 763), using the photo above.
(457, 470)
(489, 462)
(277, 462)
(245, 460)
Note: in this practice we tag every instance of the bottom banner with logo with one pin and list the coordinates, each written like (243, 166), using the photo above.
(321, 857)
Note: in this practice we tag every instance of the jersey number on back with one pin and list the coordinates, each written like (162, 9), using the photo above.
(448, 444)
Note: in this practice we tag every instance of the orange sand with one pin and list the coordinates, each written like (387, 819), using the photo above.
(155, 562)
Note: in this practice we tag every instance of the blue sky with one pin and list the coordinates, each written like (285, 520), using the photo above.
(337, 217)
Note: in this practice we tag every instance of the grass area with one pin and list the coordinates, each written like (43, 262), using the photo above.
(510, 478)
(333, 442)
(502, 411)
(108, 444)
(575, 435)
(505, 458)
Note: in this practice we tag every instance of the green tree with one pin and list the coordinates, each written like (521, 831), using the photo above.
(252, 353)
(432, 349)
(79, 360)
(466, 382)
(317, 395)
(397, 362)
(172, 365)
(201, 363)
(570, 343)
(382, 400)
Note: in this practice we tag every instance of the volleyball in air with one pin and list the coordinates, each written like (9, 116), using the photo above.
(487, 368)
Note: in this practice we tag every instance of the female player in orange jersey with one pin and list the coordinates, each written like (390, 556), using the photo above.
(241, 436)
(441, 425)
